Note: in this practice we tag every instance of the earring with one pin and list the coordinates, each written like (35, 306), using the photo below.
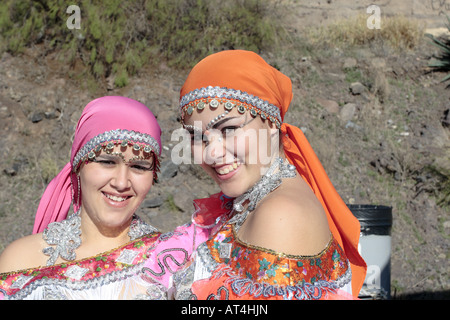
(79, 191)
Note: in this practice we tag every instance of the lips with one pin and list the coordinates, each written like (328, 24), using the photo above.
(226, 171)
(227, 168)
(116, 200)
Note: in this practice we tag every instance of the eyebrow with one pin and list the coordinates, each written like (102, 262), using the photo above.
(141, 162)
(135, 161)
(192, 129)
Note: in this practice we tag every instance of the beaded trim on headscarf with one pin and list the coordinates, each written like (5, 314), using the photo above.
(109, 139)
(213, 96)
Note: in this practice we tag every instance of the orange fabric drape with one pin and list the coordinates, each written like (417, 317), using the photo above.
(343, 224)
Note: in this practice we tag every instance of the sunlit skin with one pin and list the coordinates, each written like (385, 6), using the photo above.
(290, 219)
(113, 186)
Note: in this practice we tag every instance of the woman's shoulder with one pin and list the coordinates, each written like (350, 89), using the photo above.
(23, 253)
(290, 222)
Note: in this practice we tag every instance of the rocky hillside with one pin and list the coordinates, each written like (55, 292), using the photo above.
(377, 117)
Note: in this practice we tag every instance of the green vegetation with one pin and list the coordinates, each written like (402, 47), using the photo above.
(120, 37)
(171, 203)
(442, 63)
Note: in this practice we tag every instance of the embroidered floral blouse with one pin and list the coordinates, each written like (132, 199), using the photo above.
(140, 269)
(110, 275)
(226, 268)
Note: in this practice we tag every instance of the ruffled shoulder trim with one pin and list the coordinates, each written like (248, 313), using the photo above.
(207, 210)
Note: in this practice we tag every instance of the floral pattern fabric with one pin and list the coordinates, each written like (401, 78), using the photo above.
(81, 274)
(267, 266)
(226, 268)
(140, 269)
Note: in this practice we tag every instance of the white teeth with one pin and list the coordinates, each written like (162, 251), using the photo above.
(114, 198)
(228, 168)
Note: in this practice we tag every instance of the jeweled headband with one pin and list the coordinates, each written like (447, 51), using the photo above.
(107, 141)
(210, 96)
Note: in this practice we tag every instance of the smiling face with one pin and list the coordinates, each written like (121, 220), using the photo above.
(114, 185)
(234, 148)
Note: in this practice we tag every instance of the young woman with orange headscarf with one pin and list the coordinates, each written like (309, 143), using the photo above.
(286, 234)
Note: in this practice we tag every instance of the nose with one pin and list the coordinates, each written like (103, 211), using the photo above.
(215, 150)
(121, 179)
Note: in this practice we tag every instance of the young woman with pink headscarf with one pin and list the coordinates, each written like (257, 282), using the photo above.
(102, 250)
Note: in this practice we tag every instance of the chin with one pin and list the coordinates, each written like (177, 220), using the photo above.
(233, 190)
(115, 220)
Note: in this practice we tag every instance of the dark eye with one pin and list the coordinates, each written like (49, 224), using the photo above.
(229, 130)
(142, 167)
(198, 136)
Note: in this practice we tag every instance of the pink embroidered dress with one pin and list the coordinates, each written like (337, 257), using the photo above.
(140, 269)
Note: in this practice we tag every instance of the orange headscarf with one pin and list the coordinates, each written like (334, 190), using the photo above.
(247, 73)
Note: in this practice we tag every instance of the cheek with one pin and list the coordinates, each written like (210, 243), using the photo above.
(242, 148)
(143, 183)
(197, 152)
(256, 146)
(245, 147)
(92, 179)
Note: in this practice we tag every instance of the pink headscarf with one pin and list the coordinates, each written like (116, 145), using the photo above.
(106, 119)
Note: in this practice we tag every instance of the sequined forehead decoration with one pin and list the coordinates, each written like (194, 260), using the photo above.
(109, 139)
(210, 96)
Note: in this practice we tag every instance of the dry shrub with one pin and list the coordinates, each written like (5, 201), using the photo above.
(400, 32)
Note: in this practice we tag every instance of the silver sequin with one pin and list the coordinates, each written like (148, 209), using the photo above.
(269, 182)
(75, 272)
(66, 236)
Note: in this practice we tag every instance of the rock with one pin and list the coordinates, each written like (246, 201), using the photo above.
(182, 199)
(335, 77)
(10, 172)
(54, 114)
(37, 116)
(357, 88)
(388, 164)
(445, 120)
(378, 63)
(153, 202)
(168, 170)
(17, 166)
(4, 113)
(349, 63)
(110, 82)
(352, 125)
(446, 224)
(330, 105)
(348, 111)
